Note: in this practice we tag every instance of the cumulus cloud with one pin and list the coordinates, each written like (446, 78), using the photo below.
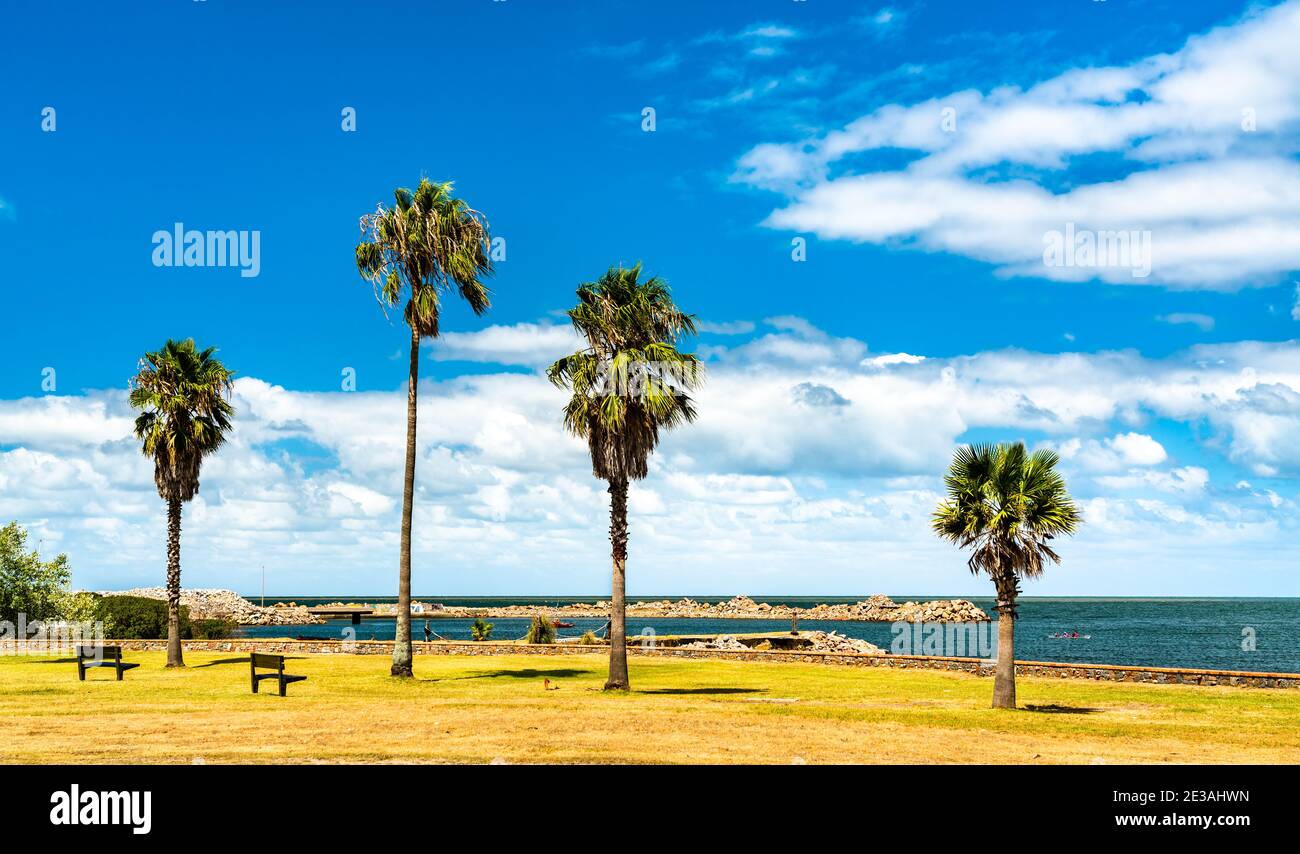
(529, 344)
(782, 480)
(1116, 452)
(1207, 133)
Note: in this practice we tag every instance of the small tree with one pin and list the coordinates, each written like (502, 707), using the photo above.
(541, 630)
(480, 630)
(28, 585)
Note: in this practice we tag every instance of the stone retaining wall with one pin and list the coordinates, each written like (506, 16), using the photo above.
(1048, 669)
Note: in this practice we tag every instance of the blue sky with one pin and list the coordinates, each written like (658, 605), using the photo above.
(924, 305)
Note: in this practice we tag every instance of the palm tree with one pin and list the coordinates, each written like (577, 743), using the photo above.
(1006, 505)
(429, 243)
(183, 394)
(629, 384)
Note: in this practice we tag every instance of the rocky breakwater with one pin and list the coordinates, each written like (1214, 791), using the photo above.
(882, 609)
(207, 604)
(877, 609)
(804, 642)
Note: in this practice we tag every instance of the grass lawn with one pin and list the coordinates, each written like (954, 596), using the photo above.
(485, 708)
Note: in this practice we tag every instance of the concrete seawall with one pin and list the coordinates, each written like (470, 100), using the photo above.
(1047, 669)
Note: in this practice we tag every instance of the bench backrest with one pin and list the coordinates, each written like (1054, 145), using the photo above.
(93, 652)
(274, 662)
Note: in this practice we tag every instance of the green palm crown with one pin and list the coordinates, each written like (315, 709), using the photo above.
(630, 382)
(183, 392)
(429, 242)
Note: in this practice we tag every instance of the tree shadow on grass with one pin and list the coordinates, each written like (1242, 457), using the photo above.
(1054, 709)
(243, 660)
(530, 673)
(703, 691)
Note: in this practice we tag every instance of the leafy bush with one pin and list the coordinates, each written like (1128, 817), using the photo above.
(29, 585)
(127, 617)
(480, 631)
(213, 628)
(80, 608)
(589, 638)
(540, 631)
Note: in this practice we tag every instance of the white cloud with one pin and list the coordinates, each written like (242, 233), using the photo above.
(1208, 132)
(1114, 453)
(1203, 322)
(1188, 480)
(770, 31)
(892, 359)
(529, 344)
(731, 327)
(884, 21)
(788, 495)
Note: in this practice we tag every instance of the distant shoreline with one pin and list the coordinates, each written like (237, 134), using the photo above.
(496, 599)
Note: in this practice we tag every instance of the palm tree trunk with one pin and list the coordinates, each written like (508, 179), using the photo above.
(1004, 676)
(402, 642)
(174, 658)
(618, 680)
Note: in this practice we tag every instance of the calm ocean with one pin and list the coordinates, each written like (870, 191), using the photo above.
(1209, 633)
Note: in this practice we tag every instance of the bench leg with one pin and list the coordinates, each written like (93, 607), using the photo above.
(254, 684)
(119, 672)
(81, 671)
(282, 687)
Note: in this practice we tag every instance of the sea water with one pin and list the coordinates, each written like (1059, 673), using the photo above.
(1222, 634)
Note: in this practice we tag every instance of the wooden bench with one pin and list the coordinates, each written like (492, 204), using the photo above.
(101, 656)
(271, 662)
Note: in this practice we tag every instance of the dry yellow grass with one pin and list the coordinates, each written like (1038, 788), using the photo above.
(481, 709)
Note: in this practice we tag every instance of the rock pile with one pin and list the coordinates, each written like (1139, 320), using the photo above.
(836, 642)
(882, 609)
(229, 605)
(877, 608)
(720, 642)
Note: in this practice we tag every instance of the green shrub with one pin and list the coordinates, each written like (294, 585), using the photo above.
(589, 638)
(480, 631)
(213, 628)
(127, 617)
(540, 630)
(80, 608)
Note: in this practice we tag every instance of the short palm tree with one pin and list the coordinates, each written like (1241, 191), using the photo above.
(183, 393)
(1006, 505)
(629, 384)
(427, 244)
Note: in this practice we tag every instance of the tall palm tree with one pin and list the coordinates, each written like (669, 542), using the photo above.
(628, 384)
(429, 243)
(183, 393)
(1006, 505)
